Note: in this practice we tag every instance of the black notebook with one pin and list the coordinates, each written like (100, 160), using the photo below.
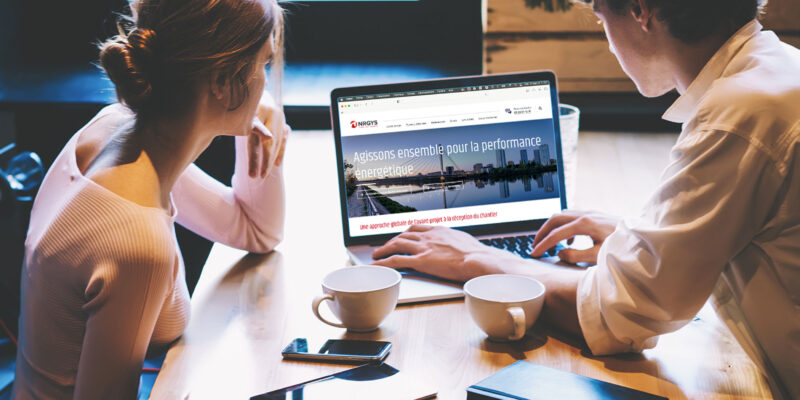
(528, 381)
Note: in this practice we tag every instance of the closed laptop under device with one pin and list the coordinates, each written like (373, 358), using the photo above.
(481, 154)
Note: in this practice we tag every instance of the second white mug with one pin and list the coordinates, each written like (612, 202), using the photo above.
(504, 306)
(361, 297)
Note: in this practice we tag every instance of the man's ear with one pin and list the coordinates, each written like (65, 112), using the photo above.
(220, 86)
(642, 13)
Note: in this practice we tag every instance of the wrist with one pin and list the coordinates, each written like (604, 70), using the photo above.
(492, 261)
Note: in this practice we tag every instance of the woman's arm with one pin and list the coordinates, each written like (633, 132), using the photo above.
(249, 214)
(123, 302)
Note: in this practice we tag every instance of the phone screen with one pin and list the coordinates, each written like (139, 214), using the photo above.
(353, 347)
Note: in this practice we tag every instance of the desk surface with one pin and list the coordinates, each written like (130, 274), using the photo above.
(246, 308)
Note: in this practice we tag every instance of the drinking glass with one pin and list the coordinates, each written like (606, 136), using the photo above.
(569, 117)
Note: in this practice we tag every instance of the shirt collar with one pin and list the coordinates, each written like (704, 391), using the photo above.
(684, 107)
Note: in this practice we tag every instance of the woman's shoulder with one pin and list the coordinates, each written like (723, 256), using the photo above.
(113, 111)
(90, 139)
(95, 227)
(108, 118)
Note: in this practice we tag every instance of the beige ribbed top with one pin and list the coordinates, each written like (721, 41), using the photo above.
(103, 277)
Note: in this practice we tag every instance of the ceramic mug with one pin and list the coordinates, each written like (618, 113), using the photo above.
(504, 306)
(361, 297)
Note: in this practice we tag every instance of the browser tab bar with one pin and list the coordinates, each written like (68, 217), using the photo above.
(448, 107)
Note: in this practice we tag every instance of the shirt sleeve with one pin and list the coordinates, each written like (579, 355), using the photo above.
(249, 215)
(124, 300)
(656, 271)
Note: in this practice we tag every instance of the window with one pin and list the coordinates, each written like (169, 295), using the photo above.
(352, 43)
(444, 33)
(329, 44)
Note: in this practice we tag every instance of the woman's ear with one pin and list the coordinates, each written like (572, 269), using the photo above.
(642, 13)
(220, 86)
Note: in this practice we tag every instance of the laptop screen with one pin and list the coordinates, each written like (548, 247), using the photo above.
(456, 156)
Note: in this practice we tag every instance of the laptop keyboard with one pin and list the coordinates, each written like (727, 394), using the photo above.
(520, 245)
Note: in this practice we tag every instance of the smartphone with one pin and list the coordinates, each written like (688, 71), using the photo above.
(339, 350)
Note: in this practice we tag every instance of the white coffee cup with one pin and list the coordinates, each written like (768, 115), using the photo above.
(504, 306)
(361, 297)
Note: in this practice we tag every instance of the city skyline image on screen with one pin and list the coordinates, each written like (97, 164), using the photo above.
(444, 168)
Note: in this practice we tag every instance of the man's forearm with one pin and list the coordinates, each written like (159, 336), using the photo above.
(560, 308)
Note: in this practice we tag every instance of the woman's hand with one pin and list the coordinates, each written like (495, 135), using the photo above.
(443, 252)
(267, 140)
(567, 225)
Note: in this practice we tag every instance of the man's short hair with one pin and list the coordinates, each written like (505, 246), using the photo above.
(693, 20)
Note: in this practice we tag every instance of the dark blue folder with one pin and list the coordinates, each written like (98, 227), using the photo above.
(528, 381)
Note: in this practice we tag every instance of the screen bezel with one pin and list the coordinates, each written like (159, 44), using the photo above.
(475, 230)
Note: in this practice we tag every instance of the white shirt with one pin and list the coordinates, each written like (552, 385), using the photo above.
(103, 277)
(725, 219)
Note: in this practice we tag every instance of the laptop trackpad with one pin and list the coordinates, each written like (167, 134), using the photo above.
(420, 287)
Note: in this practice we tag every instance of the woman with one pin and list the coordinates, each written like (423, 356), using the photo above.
(103, 276)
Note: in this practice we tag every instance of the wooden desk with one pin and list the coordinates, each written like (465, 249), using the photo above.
(246, 308)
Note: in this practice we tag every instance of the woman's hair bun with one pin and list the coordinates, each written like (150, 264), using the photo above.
(167, 50)
(130, 62)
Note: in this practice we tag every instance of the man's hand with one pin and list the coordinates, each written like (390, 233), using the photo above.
(267, 140)
(443, 252)
(456, 255)
(567, 225)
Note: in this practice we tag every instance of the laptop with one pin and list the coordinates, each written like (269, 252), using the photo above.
(481, 154)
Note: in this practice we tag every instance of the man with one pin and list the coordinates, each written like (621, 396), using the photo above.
(725, 220)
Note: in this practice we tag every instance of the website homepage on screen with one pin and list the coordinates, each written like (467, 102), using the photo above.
(453, 157)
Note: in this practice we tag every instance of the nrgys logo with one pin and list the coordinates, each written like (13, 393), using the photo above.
(363, 124)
